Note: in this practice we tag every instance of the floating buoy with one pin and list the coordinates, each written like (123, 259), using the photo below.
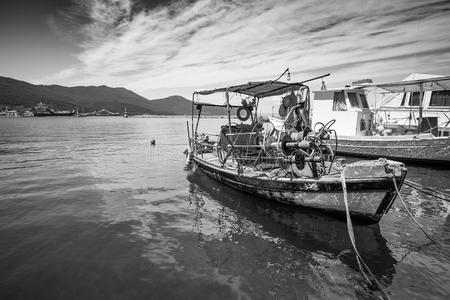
(152, 142)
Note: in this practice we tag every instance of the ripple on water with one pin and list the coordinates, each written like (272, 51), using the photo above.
(89, 209)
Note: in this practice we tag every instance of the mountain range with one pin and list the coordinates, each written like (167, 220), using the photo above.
(90, 98)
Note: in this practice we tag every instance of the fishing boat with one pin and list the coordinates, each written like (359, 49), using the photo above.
(370, 133)
(286, 159)
(106, 113)
(42, 110)
(304, 228)
(61, 113)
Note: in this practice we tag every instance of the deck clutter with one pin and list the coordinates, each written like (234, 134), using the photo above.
(287, 159)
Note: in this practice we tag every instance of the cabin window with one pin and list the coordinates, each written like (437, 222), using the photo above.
(353, 100)
(440, 98)
(363, 100)
(403, 100)
(363, 125)
(414, 99)
(339, 101)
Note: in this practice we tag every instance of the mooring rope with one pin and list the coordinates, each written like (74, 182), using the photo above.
(428, 191)
(409, 212)
(361, 263)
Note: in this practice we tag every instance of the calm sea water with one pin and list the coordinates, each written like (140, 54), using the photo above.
(90, 210)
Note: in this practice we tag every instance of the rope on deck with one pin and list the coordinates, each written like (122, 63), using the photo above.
(427, 190)
(361, 263)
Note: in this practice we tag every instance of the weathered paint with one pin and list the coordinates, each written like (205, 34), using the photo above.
(369, 197)
(403, 148)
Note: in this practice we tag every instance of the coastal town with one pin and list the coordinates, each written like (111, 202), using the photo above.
(43, 110)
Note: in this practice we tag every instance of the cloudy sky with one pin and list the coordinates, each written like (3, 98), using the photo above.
(162, 48)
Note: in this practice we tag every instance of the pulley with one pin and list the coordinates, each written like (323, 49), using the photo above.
(270, 144)
(284, 148)
(299, 159)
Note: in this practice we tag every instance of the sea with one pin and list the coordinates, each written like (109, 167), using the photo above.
(89, 209)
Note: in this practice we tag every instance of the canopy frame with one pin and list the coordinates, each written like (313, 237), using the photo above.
(267, 89)
(419, 85)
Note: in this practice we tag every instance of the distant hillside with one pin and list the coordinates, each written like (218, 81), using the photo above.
(89, 98)
(179, 105)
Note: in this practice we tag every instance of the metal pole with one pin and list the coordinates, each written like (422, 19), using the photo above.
(189, 135)
(420, 108)
(192, 122)
(198, 118)
(227, 97)
(256, 111)
(318, 77)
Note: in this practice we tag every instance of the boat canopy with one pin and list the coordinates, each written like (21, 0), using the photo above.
(198, 104)
(257, 89)
(429, 84)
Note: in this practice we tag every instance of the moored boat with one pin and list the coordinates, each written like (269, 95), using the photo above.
(106, 113)
(43, 110)
(286, 159)
(61, 113)
(360, 132)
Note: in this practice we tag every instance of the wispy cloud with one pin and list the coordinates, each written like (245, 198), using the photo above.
(198, 44)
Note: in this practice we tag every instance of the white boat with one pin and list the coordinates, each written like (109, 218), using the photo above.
(400, 108)
(358, 128)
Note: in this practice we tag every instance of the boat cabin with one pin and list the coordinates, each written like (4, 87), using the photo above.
(347, 106)
(401, 107)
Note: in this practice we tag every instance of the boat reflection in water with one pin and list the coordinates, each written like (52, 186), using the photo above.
(246, 229)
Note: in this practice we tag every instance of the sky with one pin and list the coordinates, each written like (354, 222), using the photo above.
(163, 48)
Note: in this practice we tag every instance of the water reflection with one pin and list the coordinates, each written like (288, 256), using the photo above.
(314, 238)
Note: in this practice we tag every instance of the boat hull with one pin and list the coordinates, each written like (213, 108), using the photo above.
(42, 114)
(62, 113)
(403, 148)
(368, 198)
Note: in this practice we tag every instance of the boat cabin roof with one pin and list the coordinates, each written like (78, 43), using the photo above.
(257, 89)
(427, 84)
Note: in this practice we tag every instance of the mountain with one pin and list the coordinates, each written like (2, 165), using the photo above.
(179, 105)
(89, 98)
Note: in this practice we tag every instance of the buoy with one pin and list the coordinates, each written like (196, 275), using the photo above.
(152, 142)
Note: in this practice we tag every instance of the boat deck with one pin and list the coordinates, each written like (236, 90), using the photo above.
(262, 170)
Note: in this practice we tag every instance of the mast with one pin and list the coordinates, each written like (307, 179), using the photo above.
(194, 134)
(227, 97)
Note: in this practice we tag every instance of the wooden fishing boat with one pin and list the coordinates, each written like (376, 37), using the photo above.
(287, 161)
(302, 227)
(366, 133)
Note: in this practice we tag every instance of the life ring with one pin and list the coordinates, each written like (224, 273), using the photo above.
(247, 113)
